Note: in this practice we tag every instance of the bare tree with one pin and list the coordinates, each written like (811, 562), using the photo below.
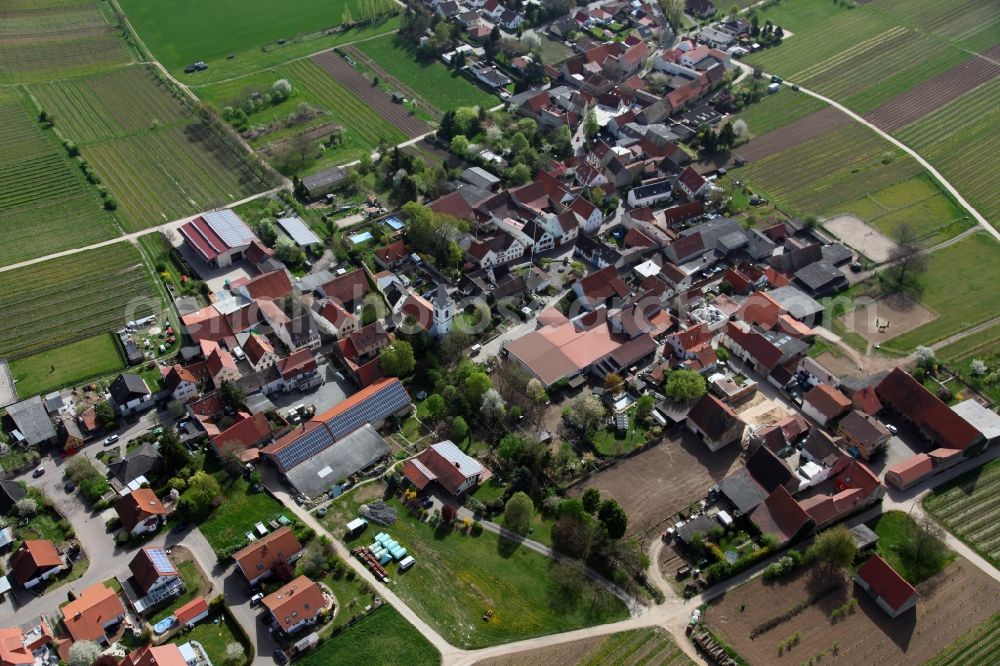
(907, 259)
(925, 544)
(229, 454)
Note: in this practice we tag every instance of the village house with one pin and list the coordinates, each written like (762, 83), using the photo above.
(221, 367)
(129, 394)
(154, 579)
(140, 511)
(257, 560)
(270, 286)
(18, 644)
(447, 466)
(96, 611)
(715, 423)
(295, 605)
(181, 383)
(907, 398)
(907, 472)
(192, 612)
(332, 319)
(32, 425)
(243, 438)
(35, 562)
(823, 403)
(849, 487)
(601, 288)
(299, 371)
(864, 433)
(137, 463)
(259, 352)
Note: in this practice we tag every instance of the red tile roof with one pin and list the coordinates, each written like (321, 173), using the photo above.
(602, 285)
(301, 599)
(259, 557)
(144, 568)
(159, 655)
(886, 582)
(247, 433)
(921, 407)
(177, 375)
(191, 610)
(297, 363)
(453, 204)
(910, 470)
(271, 285)
(392, 252)
(86, 616)
(203, 239)
(138, 506)
(779, 514)
(347, 288)
(12, 649)
(827, 400)
(256, 347)
(32, 558)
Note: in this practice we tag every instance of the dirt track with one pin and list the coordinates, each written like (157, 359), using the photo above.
(931, 95)
(353, 80)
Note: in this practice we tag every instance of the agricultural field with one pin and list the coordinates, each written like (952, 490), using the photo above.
(959, 597)
(845, 164)
(183, 31)
(972, 24)
(67, 365)
(978, 647)
(443, 88)
(967, 507)
(960, 287)
(42, 39)
(961, 141)
(481, 573)
(155, 158)
(375, 639)
(860, 57)
(982, 346)
(641, 646)
(45, 202)
(777, 110)
(54, 302)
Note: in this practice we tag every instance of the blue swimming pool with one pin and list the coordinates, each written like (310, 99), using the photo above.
(395, 223)
(363, 237)
(164, 625)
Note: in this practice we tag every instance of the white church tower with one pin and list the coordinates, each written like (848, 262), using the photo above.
(444, 312)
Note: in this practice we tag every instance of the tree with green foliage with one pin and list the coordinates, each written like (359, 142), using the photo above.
(435, 406)
(585, 413)
(613, 517)
(684, 385)
(591, 500)
(510, 447)
(518, 512)
(83, 653)
(475, 385)
(106, 417)
(397, 359)
(232, 395)
(459, 429)
(574, 534)
(265, 231)
(836, 548)
(590, 125)
(289, 253)
(199, 499)
(175, 455)
(644, 407)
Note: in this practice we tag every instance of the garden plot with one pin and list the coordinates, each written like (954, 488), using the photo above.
(653, 485)
(958, 597)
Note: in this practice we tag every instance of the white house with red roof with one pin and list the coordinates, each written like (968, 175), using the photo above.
(447, 466)
(691, 183)
(221, 367)
(181, 383)
(259, 352)
(218, 237)
(891, 592)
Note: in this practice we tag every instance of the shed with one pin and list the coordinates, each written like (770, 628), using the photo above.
(298, 231)
(322, 183)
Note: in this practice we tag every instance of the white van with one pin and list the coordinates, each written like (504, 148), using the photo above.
(475, 349)
(406, 563)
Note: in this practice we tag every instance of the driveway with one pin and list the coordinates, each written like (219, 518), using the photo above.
(323, 398)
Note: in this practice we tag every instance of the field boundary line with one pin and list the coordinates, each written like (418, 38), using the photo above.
(982, 221)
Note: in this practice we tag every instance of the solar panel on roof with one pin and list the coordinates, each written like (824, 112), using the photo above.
(160, 561)
(304, 447)
(229, 227)
(297, 229)
(387, 401)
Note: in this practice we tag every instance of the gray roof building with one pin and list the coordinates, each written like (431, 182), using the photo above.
(796, 302)
(355, 452)
(31, 420)
(980, 418)
(139, 462)
(480, 178)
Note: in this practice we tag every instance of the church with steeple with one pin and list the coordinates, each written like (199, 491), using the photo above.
(444, 312)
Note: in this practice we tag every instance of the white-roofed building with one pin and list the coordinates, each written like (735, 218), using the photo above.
(31, 421)
(445, 464)
(298, 231)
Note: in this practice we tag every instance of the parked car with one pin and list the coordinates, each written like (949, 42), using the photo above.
(199, 66)
(38, 472)
(891, 428)
(426, 502)
(256, 599)
(69, 486)
(110, 439)
(280, 656)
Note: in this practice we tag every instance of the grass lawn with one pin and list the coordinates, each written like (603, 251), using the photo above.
(960, 286)
(480, 574)
(966, 506)
(194, 586)
(443, 88)
(183, 31)
(382, 637)
(66, 366)
(214, 633)
(490, 490)
(984, 346)
(226, 528)
(347, 591)
(894, 531)
(609, 442)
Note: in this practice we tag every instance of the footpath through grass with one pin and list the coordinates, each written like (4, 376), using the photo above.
(960, 285)
(68, 365)
(459, 578)
(383, 637)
